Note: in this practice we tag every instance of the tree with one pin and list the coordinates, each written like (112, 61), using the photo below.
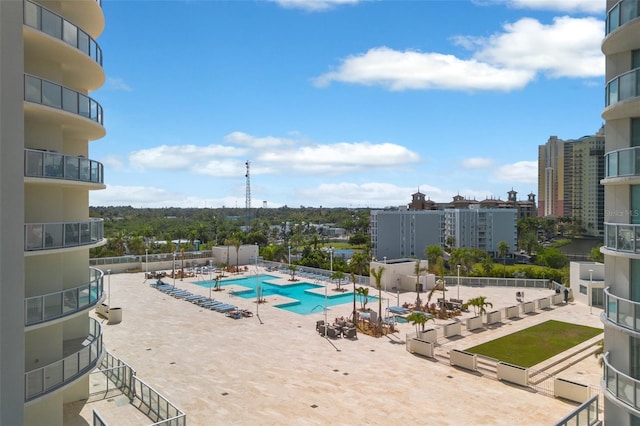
(363, 292)
(293, 269)
(337, 276)
(359, 263)
(418, 270)
(419, 319)
(479, 304)
(552, 258)
(487, 264)
(433, 253)
(236, 242)
(377, 276)
(596, 255)
(503, 251)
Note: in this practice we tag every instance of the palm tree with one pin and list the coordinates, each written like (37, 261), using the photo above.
(377, 275)
(293, 269)
(337, 276)
(363, 292)
(418, 270)
(479, 305)
(487, 264)
(359, 263)
(503, 251)
(432, 253)
(419, 319)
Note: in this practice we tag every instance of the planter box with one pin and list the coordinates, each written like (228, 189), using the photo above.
(474, 323)
(429, 335)
(463, 359)
(422, 347)
(572, 391)
(528, 307)
(544, 303)
(513, 311)
(512, 373)
(115, 315)
(494, 317)
(558, 299)
(453, 329)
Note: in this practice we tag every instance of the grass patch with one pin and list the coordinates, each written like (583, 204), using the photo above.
(535, 344)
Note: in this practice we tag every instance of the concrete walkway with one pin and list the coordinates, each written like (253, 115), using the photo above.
(276, 369)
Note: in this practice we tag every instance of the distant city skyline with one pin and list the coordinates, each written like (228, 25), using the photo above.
(340, 103)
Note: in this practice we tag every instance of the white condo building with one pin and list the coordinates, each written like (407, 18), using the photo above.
(621, 317)
(50, 64)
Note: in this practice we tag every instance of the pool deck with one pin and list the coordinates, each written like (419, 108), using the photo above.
(274, 368)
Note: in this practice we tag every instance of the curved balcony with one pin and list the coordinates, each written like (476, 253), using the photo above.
(43, 19)
(44, 380)
(623, 12)
(87, 14)
(621, 312)
(622, 163)
(623, 389)
(53, 165)
(68, 107)
(622, 237)
(48, 236)
(48, 307)
(623, 87)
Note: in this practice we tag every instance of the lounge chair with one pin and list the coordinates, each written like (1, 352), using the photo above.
(333, 332)
(235, 314)
(349, 332)
(320, 325)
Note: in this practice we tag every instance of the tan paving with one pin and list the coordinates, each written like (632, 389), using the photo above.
(276, 369)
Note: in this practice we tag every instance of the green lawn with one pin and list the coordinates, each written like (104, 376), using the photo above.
(535, 344)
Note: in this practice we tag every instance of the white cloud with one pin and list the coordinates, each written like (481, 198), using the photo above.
(569, 47)
(521, 172)
(154, 197)
(313, 5)
(117, 84)
(476, 163)
(112, 162)
(402, 70)
(244, 139)
(505, 61)
(181, 157)
(572, 6)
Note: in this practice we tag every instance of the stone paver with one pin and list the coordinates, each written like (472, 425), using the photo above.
(276, 369)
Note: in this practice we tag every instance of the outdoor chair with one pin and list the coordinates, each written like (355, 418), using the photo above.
(349, 332)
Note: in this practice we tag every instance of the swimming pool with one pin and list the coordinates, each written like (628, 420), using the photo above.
(305, 302)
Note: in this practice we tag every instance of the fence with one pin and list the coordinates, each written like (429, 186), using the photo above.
(586, 414)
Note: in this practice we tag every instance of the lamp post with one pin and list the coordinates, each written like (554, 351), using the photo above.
(174, 270)
(289, 254)
(109, 288)
(146, 263)
(590, 295)
(257, 290)
(458, 266)
(182, 262)
(331, 258)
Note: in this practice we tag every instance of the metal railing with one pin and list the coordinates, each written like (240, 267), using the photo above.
(623, 12)
(47, 307)
(622, 162)
(53, 165)
(53, 95)
(623, 237)
(54, 235)
(43, 19)
(52, 376)
(620, 386)
(622, 312)
(623, 86)
(587, 414)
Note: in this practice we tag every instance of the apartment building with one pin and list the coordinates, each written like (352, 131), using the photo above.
(51, 62)
(621, 250)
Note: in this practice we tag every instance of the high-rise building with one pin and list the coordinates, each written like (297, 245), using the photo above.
(48, 343)
(569, 174)
(621, 250)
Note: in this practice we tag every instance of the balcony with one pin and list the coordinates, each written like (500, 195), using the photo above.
(623, 12)
(48, 307)
(621, 312)
(622, 163)
(70, 108)
(60, 235)
(53, 165)
(622, 388)
(44, 380)
(623, 87)
(622, 237)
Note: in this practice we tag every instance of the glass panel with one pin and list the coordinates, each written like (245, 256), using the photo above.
(84, 169)
(613, 164)
(34, 310)
(71, 234)
(51, 94)
(83, 358)
(83, 42)
(32, 89)
(626, 314)
(70, 33)
(626, 389)
(53, 165)
(628, 11)
(31, 15)
(51, 24)
(69, 100)
(625, 159)
(627, 86)
(70, 366)
(86, 295)
(95, 174)
(35, 382)
(34, 163)
(70, 301)
(625, 238)
(635, 131)
(53, 235)
(52, 306)
(613, 92)
(614, 18)
(83, 105)
(34, 236)
(71, 170)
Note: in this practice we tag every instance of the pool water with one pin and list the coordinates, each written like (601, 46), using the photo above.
(305, 302)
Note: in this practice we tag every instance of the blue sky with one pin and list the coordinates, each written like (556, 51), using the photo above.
(340, 103)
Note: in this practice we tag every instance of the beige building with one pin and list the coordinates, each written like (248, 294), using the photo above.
(621, 381)
(50, 64)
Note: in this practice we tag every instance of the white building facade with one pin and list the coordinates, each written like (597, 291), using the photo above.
(51, 62)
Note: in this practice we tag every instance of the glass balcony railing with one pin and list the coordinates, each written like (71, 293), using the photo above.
(623, 237)
(39, 309)
(53, 165)
(623, 162)
(624, 86)
(53, 95)
(622, 312)
(621, 13)
(42, 19)
(621, 386)
(47, 236)
(46, 379)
